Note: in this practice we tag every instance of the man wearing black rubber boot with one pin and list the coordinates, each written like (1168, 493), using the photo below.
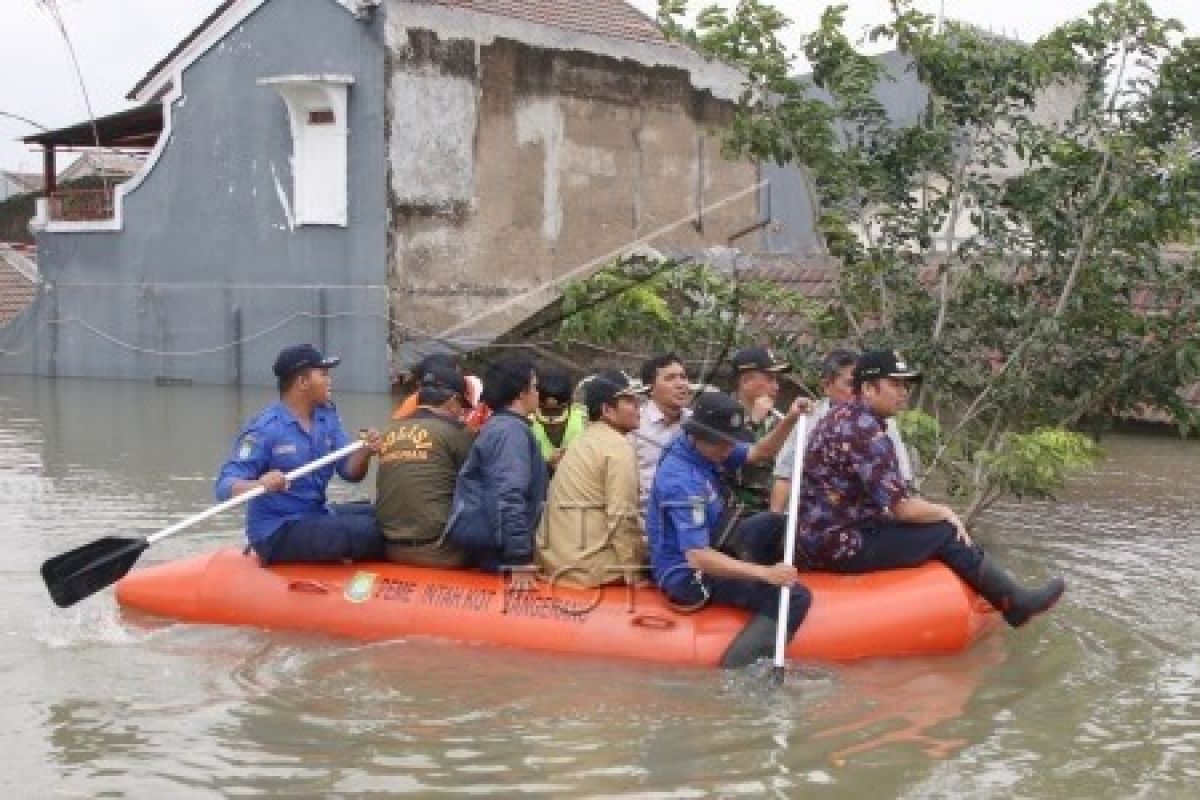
(684, 514)
(855, 511)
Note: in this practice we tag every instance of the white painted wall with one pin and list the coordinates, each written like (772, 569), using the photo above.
(432, 142)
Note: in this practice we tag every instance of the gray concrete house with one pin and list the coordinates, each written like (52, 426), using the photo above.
(383, 178)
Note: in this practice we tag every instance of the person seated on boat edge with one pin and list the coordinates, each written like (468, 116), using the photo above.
(590, 533)
(685, 510)
(557, 421)
(418, 464)
(665, 376)
(500, 490)
(837, 386)
(292, 522)
(756, 388)
(856, 515)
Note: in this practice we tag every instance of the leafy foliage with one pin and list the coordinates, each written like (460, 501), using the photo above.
(687, 308)
(1013, 236)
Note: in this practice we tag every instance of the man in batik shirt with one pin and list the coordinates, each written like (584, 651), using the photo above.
(855, 510)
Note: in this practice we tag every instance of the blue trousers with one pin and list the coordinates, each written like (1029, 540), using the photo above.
(889, 545)
(759, 538)
(349, 533)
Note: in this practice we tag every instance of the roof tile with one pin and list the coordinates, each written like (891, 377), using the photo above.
(615, 19)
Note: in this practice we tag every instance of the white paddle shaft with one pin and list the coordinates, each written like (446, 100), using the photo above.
(245, 497)
(789, 542)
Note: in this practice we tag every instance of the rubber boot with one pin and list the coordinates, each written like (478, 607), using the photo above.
(1015, 602)
(754, 641)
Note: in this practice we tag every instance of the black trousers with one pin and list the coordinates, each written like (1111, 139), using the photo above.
(890, 545)
(760, 536)
(348, 533)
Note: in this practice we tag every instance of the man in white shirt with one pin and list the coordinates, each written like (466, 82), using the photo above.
(662, 416)
(837, 384)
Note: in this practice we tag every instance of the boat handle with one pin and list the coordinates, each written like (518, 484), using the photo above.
(652, 622)
(307, 586)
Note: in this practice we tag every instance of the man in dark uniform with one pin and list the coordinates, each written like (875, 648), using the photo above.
(756, 388)
(292, 522)
(856, 513)
(418, 465)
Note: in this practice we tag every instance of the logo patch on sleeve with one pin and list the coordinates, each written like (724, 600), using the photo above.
(246, 448)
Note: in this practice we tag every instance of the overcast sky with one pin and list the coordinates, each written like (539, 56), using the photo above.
(117, 41)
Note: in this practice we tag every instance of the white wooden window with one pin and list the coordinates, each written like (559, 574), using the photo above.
(316, 107)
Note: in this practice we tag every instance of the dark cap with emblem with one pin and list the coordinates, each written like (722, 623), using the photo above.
(875, 364)
(759, 359)
(444, 378)
(302, 356)
(607, 385)
(717, 417)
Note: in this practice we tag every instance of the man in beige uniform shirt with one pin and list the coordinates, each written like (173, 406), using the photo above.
(590, 534)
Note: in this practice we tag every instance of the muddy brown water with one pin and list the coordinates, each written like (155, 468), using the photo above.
(1101, 699)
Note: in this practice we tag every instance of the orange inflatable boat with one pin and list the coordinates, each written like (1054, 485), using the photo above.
(897, 613)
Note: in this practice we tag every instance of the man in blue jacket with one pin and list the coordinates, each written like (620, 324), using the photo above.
(291, 522)
(501, 488)
(687, 511)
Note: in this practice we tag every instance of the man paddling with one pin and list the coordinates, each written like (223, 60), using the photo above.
(292, 522)
(685, 516)
(856, 513)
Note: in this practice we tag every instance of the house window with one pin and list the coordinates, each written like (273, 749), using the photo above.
(316, 106)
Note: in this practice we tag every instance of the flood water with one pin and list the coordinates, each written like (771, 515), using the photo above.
(1100, 699)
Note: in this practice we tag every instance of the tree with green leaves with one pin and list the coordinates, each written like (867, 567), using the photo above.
(1019, 239)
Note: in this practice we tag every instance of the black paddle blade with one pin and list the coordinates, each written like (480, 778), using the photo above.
(82, 572)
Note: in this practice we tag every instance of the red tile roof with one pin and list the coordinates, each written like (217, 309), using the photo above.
(615, 19)
(16, 290)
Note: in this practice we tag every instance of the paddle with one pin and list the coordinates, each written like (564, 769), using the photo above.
(82, 572)
(789, 547)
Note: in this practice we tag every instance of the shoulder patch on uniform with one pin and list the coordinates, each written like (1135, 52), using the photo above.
(246, 447)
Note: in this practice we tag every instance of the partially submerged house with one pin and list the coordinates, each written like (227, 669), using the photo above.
(382, 178)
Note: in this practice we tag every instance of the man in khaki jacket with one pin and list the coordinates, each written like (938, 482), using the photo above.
(590, 534)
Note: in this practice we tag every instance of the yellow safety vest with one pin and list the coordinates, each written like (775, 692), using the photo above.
(576, 420)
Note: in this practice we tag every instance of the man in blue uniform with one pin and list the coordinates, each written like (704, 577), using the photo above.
(292, 522)
(684, 517)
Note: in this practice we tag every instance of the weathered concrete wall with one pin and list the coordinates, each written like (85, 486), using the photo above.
(208, 267)
(517, 160)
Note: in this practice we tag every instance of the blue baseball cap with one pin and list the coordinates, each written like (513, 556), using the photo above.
(302, 356)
